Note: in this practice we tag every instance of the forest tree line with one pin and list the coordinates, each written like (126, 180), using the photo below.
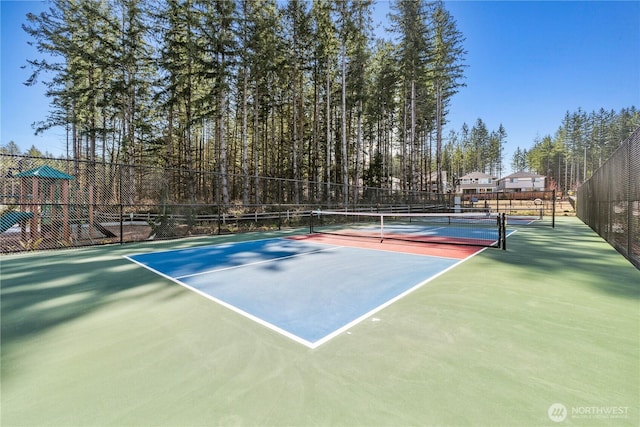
(294, 89)
(582, 143)
(264, 88)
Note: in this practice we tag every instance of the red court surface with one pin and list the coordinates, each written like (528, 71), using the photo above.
(416, 248)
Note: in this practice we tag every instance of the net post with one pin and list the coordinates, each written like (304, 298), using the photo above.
(503, 226)
(311, 222)
(499, 223)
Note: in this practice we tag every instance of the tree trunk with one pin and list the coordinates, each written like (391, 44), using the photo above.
(222, 137)
(345, 164)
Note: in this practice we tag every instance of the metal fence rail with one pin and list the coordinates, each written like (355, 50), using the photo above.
(609, 201)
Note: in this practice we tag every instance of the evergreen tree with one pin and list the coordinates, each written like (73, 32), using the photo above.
(494, 151)
(360, 57)
(382, 106)
(68, 32)
(409, 22)
(264, 55)
(131, 86)
(325, 55)
(10, 148)
(446, 72)
(480, 145)
(519, 160)
(298, 32)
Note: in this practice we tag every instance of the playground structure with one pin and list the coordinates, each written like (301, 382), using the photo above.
(43, 205)
(46, 213)
(10, 218)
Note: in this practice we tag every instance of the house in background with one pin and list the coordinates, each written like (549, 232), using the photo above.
(432, 182)
(477, 182)
(522, 181)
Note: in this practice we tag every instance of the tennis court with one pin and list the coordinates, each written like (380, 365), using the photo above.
(276, 282)
(288, 328)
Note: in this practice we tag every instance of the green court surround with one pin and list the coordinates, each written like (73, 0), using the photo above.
(90, 339)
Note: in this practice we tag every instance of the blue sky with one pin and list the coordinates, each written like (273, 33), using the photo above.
(528, 63)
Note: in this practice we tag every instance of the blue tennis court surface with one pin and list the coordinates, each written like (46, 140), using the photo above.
(307, 291)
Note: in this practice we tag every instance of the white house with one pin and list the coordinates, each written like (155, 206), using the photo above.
(432, 182)
(522, 181)
(477, 182)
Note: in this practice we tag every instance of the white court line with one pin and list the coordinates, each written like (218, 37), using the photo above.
(388, 303)
(296, 338)
(229, 306)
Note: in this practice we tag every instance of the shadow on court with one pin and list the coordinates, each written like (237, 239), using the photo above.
(571, 252)
(41, 292)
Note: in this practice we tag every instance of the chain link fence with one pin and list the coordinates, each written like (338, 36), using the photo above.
(52, 203)
(609, 202)
(540, 204)
(55, 203)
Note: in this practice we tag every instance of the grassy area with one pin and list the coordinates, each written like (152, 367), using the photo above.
(89, 338)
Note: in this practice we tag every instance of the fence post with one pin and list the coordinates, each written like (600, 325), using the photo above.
(121, 205)
(553, 209)
(219, 220)
(120, 214)
(630, 222)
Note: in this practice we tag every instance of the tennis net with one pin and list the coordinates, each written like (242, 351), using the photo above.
(478, 229)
